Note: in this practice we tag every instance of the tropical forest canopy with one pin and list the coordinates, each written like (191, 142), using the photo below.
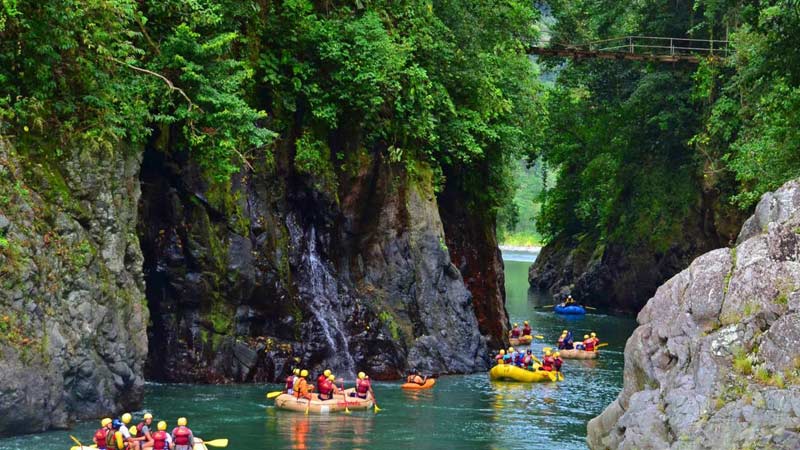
(446, 83)
(638, 145)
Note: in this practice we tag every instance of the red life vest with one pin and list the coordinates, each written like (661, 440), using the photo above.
(558, 363)
(321, 379)
(182, 435)
(526, 331)
(160, 440)
(588, 345)
(325, 387)
(290, 382)
(547, 363)
(100, 437)
(362, 386)
(515, 333)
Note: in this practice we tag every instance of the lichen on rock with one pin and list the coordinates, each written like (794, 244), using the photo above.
(714, 362)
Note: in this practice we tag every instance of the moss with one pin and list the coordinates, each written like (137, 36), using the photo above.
(742, 362)
(729, 275)
(782, 299)
(388, 320)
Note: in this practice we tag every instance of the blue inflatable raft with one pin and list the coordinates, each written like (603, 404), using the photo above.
(572, 310)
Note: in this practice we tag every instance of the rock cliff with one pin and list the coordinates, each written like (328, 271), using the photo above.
(345, 269)
(72, 307)
(714, 362)
(621, 276)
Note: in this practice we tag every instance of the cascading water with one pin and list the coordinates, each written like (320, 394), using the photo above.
(324, 290)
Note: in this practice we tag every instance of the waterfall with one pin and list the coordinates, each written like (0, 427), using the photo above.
(324, 291)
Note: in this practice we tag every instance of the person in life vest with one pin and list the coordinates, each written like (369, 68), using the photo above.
(562, 341)
(326, 387)
(135, 441)
(515, 331)
(507, 357)
(323, 376)
(144, 430)
(415, 377)
(363, 386)
(569, 300)
(182, 436)
(548, 362)
(518, 357)
(302, 389)
(126, 420)
(595, 340)
(527, 361)
(101, 435)
(526, 329)
(588, 343)
(499, 357)
(557, 361)
(115, 439)
(291, 380)
(161, 439)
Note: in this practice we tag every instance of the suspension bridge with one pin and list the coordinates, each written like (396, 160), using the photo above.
(639, 48)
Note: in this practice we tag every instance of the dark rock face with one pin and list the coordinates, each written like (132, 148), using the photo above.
(472, 243)
(622, 276)
(280, 270)
(714, 363)
(72, 310)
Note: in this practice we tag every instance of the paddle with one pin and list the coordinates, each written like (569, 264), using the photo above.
(547, 306)
(80, 446)
(274, 394)
(538, 336)
(374, 400)
(602, 345)
(308, 406)
(344, 394)
(589, 307)
(216, 443)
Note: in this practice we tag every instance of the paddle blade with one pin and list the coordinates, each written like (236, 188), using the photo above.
(602, 345)
(539, 336)
(216, 443)
(589, 307)
(274, 394)
(346, 411)
(75, 440)
(377, 409)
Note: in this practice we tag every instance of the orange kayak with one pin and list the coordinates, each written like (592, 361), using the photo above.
(428, 384)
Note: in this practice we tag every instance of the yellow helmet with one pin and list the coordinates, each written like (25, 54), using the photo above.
(516, 324)
(331, 377)
(547, 353)
(296, 371)
(133, 430)
(162, 426)
(126, 418)
(510, 349)
(557, 354)
(327, 372)
(361, 375)
(502, 352)
(147, 416)
(182, 421)
(594, 334)
(586, 336)
(105, 422)
(526, 322)
(565, 331)
(304, 373)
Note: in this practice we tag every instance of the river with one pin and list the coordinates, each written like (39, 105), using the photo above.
(461, 412)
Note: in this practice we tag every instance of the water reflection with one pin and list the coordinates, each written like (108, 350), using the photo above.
(320, 431)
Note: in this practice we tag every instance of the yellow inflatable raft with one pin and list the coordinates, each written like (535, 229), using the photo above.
(507, 372)
(317, 406)
(577, 354)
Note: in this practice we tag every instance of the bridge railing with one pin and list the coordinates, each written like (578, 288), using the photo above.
(650, 45)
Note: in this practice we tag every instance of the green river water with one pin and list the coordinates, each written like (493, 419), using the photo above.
(461, 412)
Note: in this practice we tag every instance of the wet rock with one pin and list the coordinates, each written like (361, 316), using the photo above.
(72, 301)
(714, 363)
(353, 279)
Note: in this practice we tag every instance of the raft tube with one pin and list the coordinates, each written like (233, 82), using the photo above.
(199, 445)
(337, 404)
(577, 354)
(428, 384)
(573, 310)
(522, 340)
(507, 372)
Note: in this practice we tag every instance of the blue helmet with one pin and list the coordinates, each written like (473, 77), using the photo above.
(116, 424)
